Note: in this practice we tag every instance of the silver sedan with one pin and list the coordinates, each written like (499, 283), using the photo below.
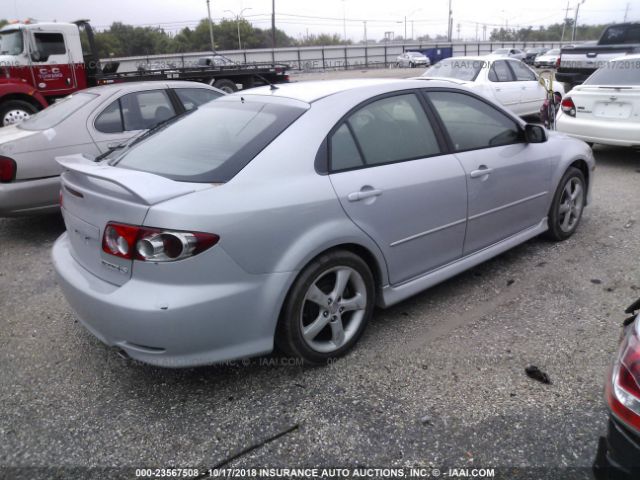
(412, 60)
(89, 122)
(285, 215)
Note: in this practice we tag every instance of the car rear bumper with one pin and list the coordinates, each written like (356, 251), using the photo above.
(618, 456)
(28, 197)
(176, 325)
(603, 131)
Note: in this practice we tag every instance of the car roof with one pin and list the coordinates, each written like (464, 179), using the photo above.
(309, 92)
(140, 86)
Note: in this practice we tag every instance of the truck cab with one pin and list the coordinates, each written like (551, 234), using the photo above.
(38, 63)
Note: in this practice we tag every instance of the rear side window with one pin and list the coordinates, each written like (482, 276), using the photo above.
(144, 110)
(50, 43)
(500, 72)
(384, 131)
(213, 143)
(619, 72)
(471, 123)
(194, 97)
(110, 120)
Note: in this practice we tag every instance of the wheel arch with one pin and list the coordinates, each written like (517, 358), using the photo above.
(30, 99)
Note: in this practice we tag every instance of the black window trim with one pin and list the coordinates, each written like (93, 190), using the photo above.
(445, 133)
(323, 156)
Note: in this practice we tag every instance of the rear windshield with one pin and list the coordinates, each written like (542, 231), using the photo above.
(56, 113)
(213, 143)
(618, 72)
(459, 69)
(620, 34)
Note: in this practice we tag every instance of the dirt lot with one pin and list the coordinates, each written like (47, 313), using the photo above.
(437, 380)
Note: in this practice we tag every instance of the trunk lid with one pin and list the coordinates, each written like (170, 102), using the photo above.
(619, 104)
(94, 194)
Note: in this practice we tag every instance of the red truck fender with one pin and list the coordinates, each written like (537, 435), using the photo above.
(17, 90)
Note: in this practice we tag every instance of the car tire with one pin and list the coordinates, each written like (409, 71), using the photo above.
(412, 65)
(15, 111)
(226, 85)
(566, 209)
(327, 308)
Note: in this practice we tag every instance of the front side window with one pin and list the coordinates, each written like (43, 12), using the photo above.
(49, 44)
(522, 72)
(144, 110)
(500, 72)
(389, 130)
(471, 123)
(11, 42)
(194, 97)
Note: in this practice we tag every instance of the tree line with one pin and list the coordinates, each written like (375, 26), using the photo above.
(122, 40)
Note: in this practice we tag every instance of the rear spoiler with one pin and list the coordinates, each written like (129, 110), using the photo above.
(147, 187)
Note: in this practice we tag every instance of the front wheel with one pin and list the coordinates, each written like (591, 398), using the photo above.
(225, 85)
(568, 203)
(327, 308)
(15, 111)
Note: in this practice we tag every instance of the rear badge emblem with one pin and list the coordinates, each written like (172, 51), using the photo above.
(113, 266)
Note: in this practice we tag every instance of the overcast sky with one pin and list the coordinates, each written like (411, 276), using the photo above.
(293, 16)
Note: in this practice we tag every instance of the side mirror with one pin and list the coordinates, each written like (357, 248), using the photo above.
(534, 133)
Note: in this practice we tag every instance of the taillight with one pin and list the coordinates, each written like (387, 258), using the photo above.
(7, 169)
(154, 244)
(623, 392)
(558, 62)
(568, 106)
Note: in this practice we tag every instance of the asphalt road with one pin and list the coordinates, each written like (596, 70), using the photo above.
(437, 380)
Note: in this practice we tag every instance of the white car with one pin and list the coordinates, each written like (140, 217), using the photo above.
(90, 122)
(413, 59)
(605, 109)
(548, 59)
(510, 52)
(508, 81)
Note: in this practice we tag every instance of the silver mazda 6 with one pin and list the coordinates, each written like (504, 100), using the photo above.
(283, 215)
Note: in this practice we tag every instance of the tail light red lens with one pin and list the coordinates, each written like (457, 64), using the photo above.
(568, 106)
(558, 62)
(7, 169)
(623, 391)
(153, 244)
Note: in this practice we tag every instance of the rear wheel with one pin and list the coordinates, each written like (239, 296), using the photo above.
(15, 111)
(327, 308)
(225, 85)
(568, 204)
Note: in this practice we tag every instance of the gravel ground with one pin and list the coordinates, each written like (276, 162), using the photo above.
(437, 380)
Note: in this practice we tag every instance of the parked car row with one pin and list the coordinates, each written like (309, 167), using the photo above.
(507, 81)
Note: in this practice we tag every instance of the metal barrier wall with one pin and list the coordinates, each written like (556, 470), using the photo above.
(326, 58)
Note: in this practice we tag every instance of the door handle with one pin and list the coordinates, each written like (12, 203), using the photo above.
(363, 194)
(481, 172)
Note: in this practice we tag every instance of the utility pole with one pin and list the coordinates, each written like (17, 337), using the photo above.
(564, 21)
(405, 28)
(477, 32)
(365, 31)
(412, 37)
(450, 23)
(344, 21)
(575, 20)
(273, 23)
(213, 46)
(626, 11)
(484, 33)
(238, 17)
(458, 32)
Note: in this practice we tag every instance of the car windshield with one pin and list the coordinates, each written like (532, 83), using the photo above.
(214, 143)
(56, 113)
(555, 51)
(11, 42)
(619, 34)
(501, 51)
(618, 72)
(459, 69)
(414, 54)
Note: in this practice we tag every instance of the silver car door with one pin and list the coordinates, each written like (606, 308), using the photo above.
(504, 84)
(394, 182)
(508, 179)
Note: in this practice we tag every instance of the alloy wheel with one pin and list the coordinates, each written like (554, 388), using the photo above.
(571, 204)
